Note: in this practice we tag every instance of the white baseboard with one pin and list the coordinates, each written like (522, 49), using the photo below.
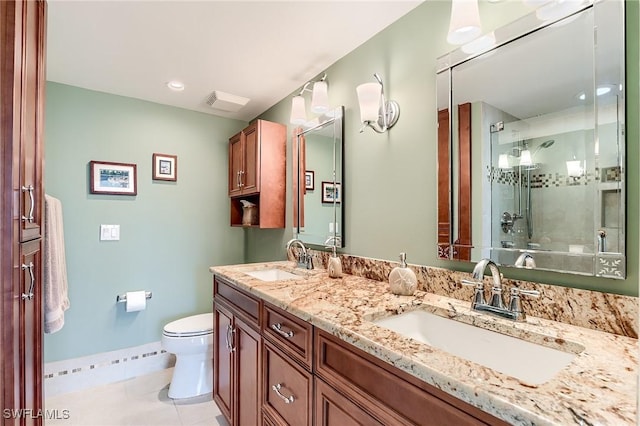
(76, 374)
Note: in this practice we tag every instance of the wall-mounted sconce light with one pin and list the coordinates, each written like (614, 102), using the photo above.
(464, 25)
(319, 101)
(375, 111)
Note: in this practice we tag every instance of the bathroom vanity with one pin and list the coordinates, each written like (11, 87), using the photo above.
(300, 348)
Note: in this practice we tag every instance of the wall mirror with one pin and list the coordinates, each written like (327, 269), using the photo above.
(318, 207)
(531, 144)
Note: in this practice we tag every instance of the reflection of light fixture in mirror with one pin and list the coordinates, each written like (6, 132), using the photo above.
(464, 25)
(480, 44)
(556, 9)
(503, 161)
(375, 111)
(525, 157)
(601, 90)
(319, 101)
(574, 168)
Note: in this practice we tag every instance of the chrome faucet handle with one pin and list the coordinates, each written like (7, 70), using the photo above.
(514, 304)
(478, 295)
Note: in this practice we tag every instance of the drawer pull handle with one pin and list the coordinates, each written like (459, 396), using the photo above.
(29, 189)
(277, 327)
(29, 296)
(229, 338)
(287, 399)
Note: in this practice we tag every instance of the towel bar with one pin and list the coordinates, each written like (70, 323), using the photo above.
(121, 298)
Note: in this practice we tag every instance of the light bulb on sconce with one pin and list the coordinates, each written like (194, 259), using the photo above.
(375, 111)
(319, 101)
(464, 25)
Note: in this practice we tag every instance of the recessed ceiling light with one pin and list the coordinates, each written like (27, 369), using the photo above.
(603, 90)
(176, 85)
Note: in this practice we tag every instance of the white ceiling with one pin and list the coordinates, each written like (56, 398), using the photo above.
(262, 50)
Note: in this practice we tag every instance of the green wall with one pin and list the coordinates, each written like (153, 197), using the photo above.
(170, 232)
(390, 179)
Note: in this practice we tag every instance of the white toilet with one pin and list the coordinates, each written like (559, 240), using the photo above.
(191, 340)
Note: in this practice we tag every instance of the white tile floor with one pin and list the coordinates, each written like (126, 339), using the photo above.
(141, 401)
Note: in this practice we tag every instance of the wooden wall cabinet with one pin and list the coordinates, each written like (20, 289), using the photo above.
(257, 162)
(22, 88)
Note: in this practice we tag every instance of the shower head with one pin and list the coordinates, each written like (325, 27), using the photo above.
(545, 144)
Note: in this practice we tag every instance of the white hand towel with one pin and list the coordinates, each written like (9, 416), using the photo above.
(55, 287)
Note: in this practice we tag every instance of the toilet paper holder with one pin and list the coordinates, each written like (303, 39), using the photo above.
(121, 298)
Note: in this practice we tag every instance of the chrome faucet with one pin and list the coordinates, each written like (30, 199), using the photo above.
(496, 305)
(304, 259)
(525, 260)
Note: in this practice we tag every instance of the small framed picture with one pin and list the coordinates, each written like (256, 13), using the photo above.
(165, 167)
(331, 192)
(309, 180)
(112, 178)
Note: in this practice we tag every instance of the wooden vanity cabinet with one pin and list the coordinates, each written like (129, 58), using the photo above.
(387, 394)
(272, 368)
(257, 161)
(237, 354)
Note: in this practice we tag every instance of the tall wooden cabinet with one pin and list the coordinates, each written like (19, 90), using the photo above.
(237, 351)
(257, 161)
(22, 88)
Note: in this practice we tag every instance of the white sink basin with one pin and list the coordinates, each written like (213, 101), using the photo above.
(273, 274)
(529, 362)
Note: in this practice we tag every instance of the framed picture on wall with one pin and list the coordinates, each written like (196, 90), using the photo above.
(165, 167)
(309, 180)
(112, 178)
(331, 192)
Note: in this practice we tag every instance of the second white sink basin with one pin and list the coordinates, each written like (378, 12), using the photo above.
(529, 362)
(272, 274)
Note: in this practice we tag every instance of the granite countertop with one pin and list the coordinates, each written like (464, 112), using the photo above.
(599, 387)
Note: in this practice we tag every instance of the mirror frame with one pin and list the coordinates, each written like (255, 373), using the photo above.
(454, 190)
(299, 169)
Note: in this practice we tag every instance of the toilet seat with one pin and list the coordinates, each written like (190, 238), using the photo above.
(193, 326)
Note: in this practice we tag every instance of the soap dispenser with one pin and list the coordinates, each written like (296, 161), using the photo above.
(402, 280)
(334, 266)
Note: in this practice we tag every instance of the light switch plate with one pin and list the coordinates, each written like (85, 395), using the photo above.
(109, 232)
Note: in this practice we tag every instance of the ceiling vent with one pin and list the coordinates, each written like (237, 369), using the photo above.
(226, 101)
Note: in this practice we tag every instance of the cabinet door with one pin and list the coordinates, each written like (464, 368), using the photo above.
(334, 409)
(223, 361)
(31, 79)
(248, 373)
(288, 388)
(251, 170)
(31, 329)
(235, 164)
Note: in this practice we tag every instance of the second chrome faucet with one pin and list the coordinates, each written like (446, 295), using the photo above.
(496, 305)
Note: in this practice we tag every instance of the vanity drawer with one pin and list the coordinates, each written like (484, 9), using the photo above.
(289, 333)
(244, 304)
(288, 389)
